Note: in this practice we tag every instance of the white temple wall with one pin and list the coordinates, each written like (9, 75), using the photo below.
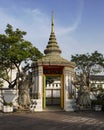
(35, 85)
(69, 102)
(39, 89)
(37, 79)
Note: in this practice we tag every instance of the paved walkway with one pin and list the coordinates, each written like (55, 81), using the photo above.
(52, 121)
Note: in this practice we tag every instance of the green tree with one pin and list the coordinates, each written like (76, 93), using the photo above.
(86, 65)
(14, 50)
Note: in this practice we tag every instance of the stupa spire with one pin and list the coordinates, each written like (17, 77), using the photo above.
(52, 48)
(52, 26)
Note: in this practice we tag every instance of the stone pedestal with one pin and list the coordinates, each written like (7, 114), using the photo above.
(70, 105)
(98, 107)
(39, 105)
(7, 109)
(36, 105)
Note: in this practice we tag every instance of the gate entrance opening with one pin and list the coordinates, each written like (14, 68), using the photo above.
(53, 91)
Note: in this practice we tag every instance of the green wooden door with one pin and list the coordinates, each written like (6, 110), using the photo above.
(44, 92)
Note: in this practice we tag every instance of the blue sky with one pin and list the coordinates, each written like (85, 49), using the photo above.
(79, 24)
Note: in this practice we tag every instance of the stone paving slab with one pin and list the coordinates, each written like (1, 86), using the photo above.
(52, 121)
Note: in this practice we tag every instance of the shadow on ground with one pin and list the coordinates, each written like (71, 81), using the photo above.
(52, 121)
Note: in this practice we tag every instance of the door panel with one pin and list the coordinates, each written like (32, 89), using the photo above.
(53, 91)
(52, 97)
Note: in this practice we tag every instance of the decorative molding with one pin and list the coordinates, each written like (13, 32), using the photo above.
(40, 70)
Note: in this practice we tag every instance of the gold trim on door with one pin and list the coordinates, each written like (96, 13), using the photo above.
(61, 90)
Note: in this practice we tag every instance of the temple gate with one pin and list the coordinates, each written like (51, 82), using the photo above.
(52, 76)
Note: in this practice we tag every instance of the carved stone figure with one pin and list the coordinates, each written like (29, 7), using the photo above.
(82, 82)
(24, 97)
(84, 97)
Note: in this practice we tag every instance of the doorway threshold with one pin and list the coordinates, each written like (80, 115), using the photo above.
(53, 108)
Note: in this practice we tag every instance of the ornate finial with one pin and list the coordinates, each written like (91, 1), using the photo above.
(52, 28)
(52, 48)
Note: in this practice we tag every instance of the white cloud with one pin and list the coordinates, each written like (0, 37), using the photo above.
(64, 30)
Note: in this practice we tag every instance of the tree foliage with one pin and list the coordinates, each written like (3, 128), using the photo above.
(87, 64)
(14, 50)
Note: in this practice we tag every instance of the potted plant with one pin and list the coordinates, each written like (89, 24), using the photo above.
(7, 106)
(97, 104)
